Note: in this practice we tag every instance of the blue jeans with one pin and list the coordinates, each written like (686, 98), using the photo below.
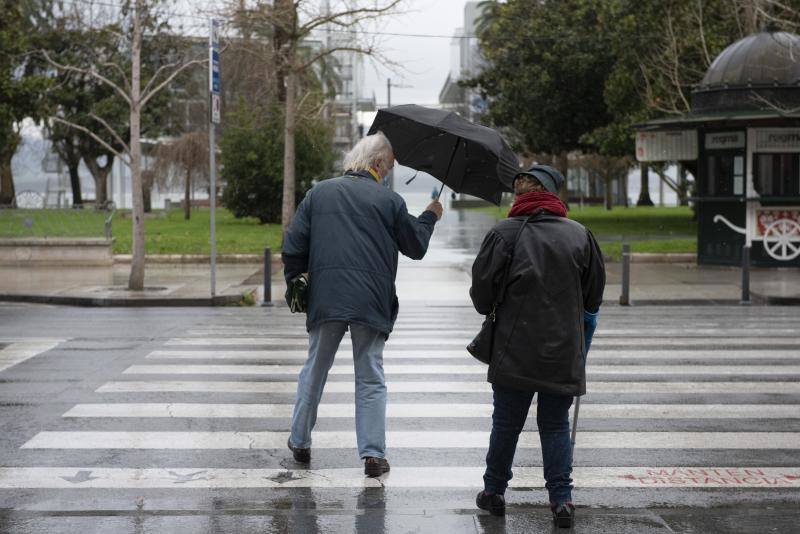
(370, 385)
(552, 418)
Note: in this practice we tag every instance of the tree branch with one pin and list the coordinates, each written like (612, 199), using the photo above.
(91, 72)
(358, 50)
(94, 136)
(121, 72)
(112, 131)
(336, 18)
(148, 95)
(160, 69)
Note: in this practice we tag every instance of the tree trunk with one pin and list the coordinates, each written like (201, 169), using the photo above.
(562, 165)
(623, 184)
(136, 280)
(644, 191)
(187, 194)
(75, 182)
(147, 191)
(608, 180)
(287, 211)
(683, 186)
(7, 193)
(100, 176)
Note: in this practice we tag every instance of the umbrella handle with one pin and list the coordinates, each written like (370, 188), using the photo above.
(449, 164)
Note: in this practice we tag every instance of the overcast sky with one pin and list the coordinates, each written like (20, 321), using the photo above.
(426, 60)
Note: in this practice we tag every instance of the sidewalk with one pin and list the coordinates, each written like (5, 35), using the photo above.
(688, 283)
(165, 285)
(441, 279)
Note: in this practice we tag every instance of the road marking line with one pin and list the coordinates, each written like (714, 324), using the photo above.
(404, 331)
(399, 477)
(597, 411)
(136, 386)
(432, 342)
(433, 354)
(18, 351)
(469, 369)
(406, 440)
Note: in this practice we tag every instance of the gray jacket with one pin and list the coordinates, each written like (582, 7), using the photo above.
(346, 234)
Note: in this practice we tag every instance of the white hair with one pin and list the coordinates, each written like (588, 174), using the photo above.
(367, 152)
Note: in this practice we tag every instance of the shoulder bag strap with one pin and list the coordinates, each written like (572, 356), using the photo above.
(509, 261)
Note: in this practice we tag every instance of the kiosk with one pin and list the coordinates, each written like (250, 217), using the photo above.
(741, 141)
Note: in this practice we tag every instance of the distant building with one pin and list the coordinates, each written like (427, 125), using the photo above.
(465, 61)
(348, 98)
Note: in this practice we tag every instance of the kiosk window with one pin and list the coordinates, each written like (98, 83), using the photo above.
(777, 174)
(725, 175)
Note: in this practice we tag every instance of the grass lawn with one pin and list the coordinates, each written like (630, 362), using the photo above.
(165, 232)
(169, 233)
(653, 229)
(51, 223)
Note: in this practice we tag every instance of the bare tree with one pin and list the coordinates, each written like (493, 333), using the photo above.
(185, 157)
(137, 15)
(608, 169)
(291, 25)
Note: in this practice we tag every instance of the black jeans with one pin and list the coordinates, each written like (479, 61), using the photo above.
(552, 417)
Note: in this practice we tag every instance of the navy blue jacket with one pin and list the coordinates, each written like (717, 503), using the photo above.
(346, 234)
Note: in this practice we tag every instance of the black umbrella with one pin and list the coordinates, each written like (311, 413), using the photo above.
(467, 157)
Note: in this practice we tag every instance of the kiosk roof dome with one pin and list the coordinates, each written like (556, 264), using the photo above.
(764, 64)
(765, 58)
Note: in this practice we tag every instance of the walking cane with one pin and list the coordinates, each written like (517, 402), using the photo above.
(575, 422)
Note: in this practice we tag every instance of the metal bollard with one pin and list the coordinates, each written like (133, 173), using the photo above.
(625, 298)
(745, 274)
(267, 277)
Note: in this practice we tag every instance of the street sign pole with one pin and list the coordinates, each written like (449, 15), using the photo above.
(214, 87)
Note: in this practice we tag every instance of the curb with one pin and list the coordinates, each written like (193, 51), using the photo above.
(197, 258)
(117, 302)
(667, 257)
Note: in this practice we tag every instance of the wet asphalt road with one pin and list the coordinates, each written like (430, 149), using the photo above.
(69, 465)
(147, 420)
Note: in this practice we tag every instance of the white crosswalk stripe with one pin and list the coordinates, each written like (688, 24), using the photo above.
(471, 369)
(440, 410)
(213, 386)
(597, 353)
(433, 342)
(676, 393)
(405, 440)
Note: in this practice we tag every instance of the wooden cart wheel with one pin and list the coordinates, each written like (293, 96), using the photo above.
(782, 239)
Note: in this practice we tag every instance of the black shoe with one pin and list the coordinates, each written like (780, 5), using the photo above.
(302, 456)
(375, 467)
(492, 503)
(563, 515)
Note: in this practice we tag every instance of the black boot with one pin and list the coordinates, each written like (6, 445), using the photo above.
(491, 502)
(563, 515)
(302, 456)
(375, 467)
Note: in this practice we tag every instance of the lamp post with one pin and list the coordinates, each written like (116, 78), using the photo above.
(389, 86)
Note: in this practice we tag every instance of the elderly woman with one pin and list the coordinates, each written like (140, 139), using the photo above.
(346, 235)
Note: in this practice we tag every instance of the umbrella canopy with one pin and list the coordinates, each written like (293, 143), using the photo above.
(467, 157)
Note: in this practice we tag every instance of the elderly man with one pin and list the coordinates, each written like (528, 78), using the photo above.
(346, 235)
(543, 328)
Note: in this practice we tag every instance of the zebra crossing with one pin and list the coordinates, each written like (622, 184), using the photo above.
(695, 399)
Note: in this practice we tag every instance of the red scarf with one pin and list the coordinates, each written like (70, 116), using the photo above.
(527, 203)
